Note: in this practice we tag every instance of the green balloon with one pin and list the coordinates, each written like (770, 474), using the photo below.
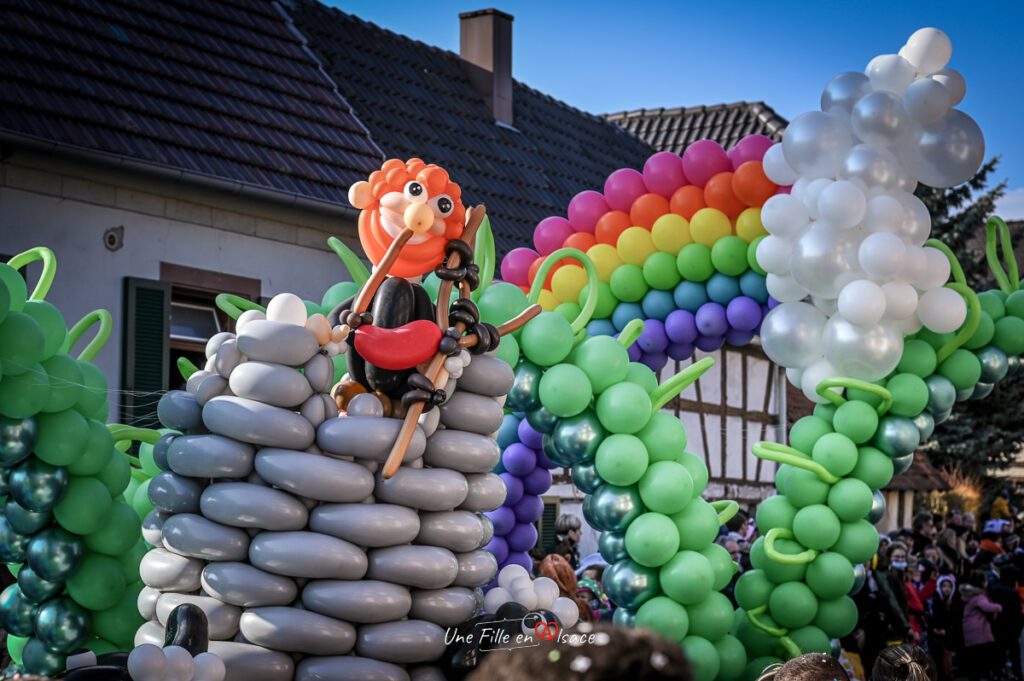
(38, 660)
(338, 293)
(508, 350)
(756, 667)
(858, 541)
(62, 625)
(62, 437)
(836, 452)
(993, 304)
(1008, 337)
(643, 376)
(119, 622)
(827, 410)
(697, 524)
(806, 431)
(97, 453)
(703, 658)
(918, 358)
(694, 262)
(856, 420)
(962, 367)
(830, 576)
(565, 390)
(140, 500)
(546, 339)
(850, 499)
(665, 616)
(17, 290)
(698, 471)
(51, 321)
(116, 474)
(687, 578)
(729, 255)
(722, 563)
(816, 527)
(982, 336)
(1015, 304)
(501, 302)
(804, 488)
(752, 255)
(793, 605)
(652, 539)
(99, 582)
(131, 559)
(22, 343)
(837, 617)
(606, 300)
(660, 270)
(85, 507)
(782, 478)
(65, 379)
(936, 340)
(756, 641)
(666, 487)
(811, 639)
(16, 611)
(93, 401)
(775, 511)
(101, 647)
(16, 644)
(604, 360)
(119, 534)
(568, 311)
(733, 658)
(624, 408)
(24, 395)
(753, 589)
(783, 572)
(711, 618)
(621, 459)
(909, 395)
(146, 459)
(664, 436)
(628, 284)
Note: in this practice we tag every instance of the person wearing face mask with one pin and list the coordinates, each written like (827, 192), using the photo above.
(888, 591)
(944, 616)
(980, 653)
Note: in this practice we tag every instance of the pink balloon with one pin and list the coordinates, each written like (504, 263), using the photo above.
(663, 173)
(585, 209)
(784, 190)
(703, 160)
(515, 266)
(750, 148)
(550, 234)
(623, 187)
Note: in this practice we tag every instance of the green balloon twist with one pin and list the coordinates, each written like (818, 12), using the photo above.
(106, 323)
(631, 332)
(579, 325)
(846, 382)
(678, 383)
(774, 451)
(49, 268)
(356, 269)
(487, 257)
(1008, 279)
(969, 327)
(752, 617)
(785, 558)
(233, 305)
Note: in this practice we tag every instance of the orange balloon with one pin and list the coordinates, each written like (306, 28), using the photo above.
(751, 185)
(687, 200)
(719, 195)
(646, 209)
(580, 240)
(610, 225)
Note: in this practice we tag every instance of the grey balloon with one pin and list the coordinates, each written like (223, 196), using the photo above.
(425, 673)
(241, 504)
(319, 373)
(366, 437)
(275, 384)
(168, 571)
(874, 166)
(487, 376)
(843, 91)
(429, 422)
(193, 382)
(267, 341)
(427, 489)
(307, 554)
(212, 386)
(461, 451)
(348, 667)
(315, 476)
(476, 568)
(215, 342)
(486, 492)
(146, 602)
(488, 526)
(150, 632)
(246, 662)
(210, 456)
(472, 413)
(423, 567)
(227, 358)
(247, 586)
(179, 410)
(446, 607)
(458, 531)
(313, 410)
(365, 404)
(298, 631)
(815, 144)
(879, 119)
(152, 527)
(261, 424)
(173, 493)
(365, 601)
(373, 525)
(222, 618)
(401, 642)
(195, 536)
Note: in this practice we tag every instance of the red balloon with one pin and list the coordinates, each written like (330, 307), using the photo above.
(402, 348)
(646, 209)
(611, 225)
(687, 200)
(580, 240)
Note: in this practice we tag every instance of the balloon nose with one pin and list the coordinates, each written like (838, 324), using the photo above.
(419, 217)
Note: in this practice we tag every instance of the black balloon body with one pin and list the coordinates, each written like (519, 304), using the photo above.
(188, 627)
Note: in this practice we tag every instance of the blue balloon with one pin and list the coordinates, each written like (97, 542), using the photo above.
(625, 313)
(509, 431)
(690, 295)
(753, 284)
(658, 304)
(601, 327)
(722, 288)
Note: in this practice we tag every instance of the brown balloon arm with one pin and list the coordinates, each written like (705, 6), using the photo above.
(380, 273)
(773, 451)
(508, 327)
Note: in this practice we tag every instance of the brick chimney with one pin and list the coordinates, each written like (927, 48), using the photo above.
(485, 45)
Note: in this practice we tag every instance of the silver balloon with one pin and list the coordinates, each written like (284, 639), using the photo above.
(927, 100)
(994, 364)
(585, 477)
(542, 420)
(816, 143)
(525, 392)
(13, 544)
(917, 221)
(791, 334)
(902, 464)
(629, 584)
(1013, 365)
(874, 167)
(964, 395)
(926, 424)
(843, 91)
(943, 416)
(612, 546)
(981, 391)
(624, 617)
(897, 436)
(825, 259)
(878, 119)
(577, 438)
(616, 507)
(946, 153)
(941, 395)
(877, 511)
(859, 577)
(867, 354)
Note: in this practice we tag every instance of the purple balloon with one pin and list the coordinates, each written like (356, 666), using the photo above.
(738, 337)
(503, 518)
(681, 327)
(634, 352)
(711, 320)
(772, 303)
(743, 313)
(544, 462)
(707, 344)
(499, 548)
(680, 351)
(655, 360)
(537, 481)
(529, 509)
(513, 488)
(521, 558)
(518, 459)
(529, 436)
(523, 537)
(653, 338)
(750, 148)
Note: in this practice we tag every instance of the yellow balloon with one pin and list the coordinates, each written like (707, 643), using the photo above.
(670, 233)
(606, 259)
(748, 224)
(567, 282)
(635, 246)
(708, 225)
(547, 300)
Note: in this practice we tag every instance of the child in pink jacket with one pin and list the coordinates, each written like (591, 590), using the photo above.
(980, 654)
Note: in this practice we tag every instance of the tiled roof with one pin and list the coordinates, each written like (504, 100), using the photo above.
(223, 89)
(922, 476)
(727, 124)
(417, 101)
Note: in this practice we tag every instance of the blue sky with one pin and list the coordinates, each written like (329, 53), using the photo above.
(611, 56)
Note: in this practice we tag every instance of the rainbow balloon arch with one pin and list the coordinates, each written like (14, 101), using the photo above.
(814, 245)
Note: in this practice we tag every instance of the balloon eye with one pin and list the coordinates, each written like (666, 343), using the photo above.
(443, 205)
(415, 192)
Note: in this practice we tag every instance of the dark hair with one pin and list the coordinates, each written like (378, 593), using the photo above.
(809, 667)
(922, 519)
(904, 663)
(736, 522)
(606, 653)
(977, 578)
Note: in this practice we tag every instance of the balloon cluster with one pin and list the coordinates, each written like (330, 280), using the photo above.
(673, 245)
(149, 662)
(67, 531)
(515, 585)
(851, 235)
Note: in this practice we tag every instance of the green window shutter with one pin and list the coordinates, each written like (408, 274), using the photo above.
(546, 531)
(147, 314)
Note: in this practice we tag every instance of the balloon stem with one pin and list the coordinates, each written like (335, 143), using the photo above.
(954, 263)
(147, 435)
(752, 616)
(102, 334)
(233, 305)
(631, 332)
(785, 558)
(774, 451)
(997, 230)
(678, 383)
(790, 646)
(969, 327)
(485, 239)
(727, 509)
(49, 268)
(847, 382)
(583, 318)
(356, 269)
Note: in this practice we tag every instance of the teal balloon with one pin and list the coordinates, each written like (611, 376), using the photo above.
(13, 544)
(38, 660)
(543, 421)
(5, 488)
(629, 584)
(860, 576)
(552, 451)
(925, 423)
(37, 485)
(17, 440)
(585, 477)
(994, 364)
(624, 617)
(25, 521)
(941, 394)
(942, 416)
(612, 546)
(578, 437)
(903, 463)
(897, 436)
(55, 554)
(62, 625)
(981, 391)
(17, 613)
(877, 511)
(616, 507)
(525, 392)
(965, 394)
(590, 514)
(35, 588)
